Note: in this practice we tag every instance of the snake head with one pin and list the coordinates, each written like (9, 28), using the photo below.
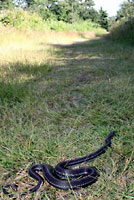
(109, 137)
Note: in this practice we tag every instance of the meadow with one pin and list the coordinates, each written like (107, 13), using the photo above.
(61, 93)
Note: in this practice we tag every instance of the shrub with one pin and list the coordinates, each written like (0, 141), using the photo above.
(21, 19)
(39, 20)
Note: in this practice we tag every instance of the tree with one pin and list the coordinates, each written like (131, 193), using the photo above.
(36, 2)
(63, 10)
(126, 11)
(103, 19)
(72, 10)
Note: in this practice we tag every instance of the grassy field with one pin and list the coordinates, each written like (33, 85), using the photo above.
(60, 96)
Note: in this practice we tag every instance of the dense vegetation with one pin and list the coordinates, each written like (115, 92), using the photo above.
(65, 11)
(123, 29)
(26, 20)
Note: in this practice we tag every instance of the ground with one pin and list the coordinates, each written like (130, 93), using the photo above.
(61, 94)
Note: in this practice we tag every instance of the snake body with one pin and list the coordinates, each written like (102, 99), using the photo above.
(62, 176)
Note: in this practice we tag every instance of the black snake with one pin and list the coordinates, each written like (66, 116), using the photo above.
(62, 176)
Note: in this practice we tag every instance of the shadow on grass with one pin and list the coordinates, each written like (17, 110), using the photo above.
(13, 92)
(18, 83)
(79, 64)
(98, 59)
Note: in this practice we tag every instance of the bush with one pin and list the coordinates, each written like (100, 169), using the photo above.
(24, 20)
(21, 19)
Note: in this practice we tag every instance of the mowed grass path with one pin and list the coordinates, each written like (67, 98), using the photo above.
(60, 96)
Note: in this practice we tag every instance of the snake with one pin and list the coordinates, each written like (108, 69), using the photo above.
(63, 176)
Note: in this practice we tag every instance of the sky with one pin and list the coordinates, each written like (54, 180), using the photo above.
(111, 6)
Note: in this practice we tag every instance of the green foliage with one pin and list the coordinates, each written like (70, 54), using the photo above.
(31, 20)
(52, 11)
(126, 11)
(77, 26)
(62, 11)
(103, 19)
(69, 11)
(123, 31)
(43, 12)
(6, 4)
(21, 19)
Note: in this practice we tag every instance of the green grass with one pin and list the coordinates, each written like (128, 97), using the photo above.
(77, 26)
(63, 107)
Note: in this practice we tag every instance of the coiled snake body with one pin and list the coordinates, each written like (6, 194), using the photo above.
(63, 177)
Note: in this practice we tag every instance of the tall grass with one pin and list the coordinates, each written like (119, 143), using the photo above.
(123, 31)
(77, 26)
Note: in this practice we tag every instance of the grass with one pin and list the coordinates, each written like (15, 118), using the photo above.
(60, 96)
(83, 26)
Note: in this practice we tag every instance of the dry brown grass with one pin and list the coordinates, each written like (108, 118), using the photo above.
(28, 46)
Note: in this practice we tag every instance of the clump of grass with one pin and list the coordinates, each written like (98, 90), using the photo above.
(12, 93)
